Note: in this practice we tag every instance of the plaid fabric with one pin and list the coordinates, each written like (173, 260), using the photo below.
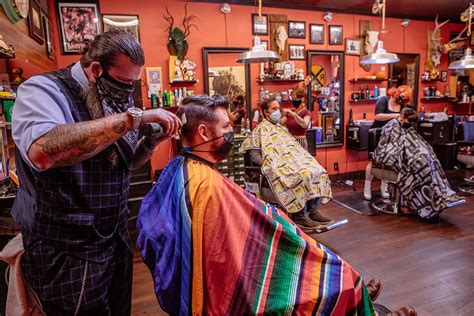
(73, 214)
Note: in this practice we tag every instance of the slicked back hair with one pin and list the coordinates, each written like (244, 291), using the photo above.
(106, 46)
(200, 109)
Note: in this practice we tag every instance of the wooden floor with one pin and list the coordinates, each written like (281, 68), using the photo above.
(427, 265)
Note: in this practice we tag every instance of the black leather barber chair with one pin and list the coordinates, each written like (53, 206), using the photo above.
(465, 155)
(392, 204)
(254, 175)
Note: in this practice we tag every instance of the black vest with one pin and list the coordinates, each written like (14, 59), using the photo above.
(80, 209)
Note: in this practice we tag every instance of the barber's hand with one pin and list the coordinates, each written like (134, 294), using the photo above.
(171, 123)
(289, 112)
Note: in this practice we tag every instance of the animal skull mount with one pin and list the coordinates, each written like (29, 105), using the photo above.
(177, 43)
(371, 39)
(281, 37)
(436, 49)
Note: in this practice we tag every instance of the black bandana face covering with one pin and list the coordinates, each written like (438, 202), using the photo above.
(111, 89)
(220, 153)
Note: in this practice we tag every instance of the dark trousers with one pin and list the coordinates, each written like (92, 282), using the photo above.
(311, 206)
(57, 278)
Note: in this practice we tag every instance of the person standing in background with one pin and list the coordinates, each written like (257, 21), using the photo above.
(299, 118)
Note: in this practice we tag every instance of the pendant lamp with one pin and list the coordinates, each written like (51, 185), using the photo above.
(381, 56)
(258, 54)
(467, 61)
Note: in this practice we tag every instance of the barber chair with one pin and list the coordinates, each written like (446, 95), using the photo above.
(465, 155)
(392, 204)
(254, 175)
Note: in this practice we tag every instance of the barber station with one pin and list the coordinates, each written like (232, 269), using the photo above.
(253, 157)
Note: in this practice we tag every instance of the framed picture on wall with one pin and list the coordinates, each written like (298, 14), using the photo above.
(316, 33)
(48, 37)
(259, 24)
(264, 44)
(352, 46)
(296, 29)
(296, 51)
(335, 34)
(129, 23)
(444, 76)
(78, 24)
(154, 80)
(34, 22)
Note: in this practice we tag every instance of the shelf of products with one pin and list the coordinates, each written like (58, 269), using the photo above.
(436, 100)
(363, 101)
(279, 80)
(4, 54)
(365, 80)
(430, 80)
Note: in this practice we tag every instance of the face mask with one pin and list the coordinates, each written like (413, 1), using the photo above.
(222, 151)
(406, 125)
(236, 103)
(113, 89)
(296, 103)
(276, 116)
(401, 100)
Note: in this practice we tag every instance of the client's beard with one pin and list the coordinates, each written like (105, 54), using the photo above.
(93, 101)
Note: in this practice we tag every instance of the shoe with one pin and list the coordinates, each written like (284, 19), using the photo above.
(320, 218)
(404, 311)
(306, 223)
(368, 190)
(384, 189)
(374, 287)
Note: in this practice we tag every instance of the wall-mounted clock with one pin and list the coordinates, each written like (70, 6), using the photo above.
(16, 9)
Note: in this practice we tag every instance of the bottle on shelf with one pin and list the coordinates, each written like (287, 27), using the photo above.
(367, 93)
(262, 95)
(376, 92)
(362, 93)
(422, 113)
(154, 100)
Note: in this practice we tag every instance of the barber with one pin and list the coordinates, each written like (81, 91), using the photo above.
(76, 135)
(387, 108)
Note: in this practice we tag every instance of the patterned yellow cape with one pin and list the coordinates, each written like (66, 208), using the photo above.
(294, 175)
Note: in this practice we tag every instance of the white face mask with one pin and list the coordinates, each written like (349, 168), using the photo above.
(276, 116)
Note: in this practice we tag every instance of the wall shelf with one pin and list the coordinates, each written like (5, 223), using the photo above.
(363, 101)
(430, 80)
(278, 80)
(6, 55)
(183, 82)
(364, 80)
(437, 100)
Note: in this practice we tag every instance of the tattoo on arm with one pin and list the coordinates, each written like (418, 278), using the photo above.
(70, 143)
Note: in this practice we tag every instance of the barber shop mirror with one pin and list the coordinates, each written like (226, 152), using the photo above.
(224, 76)
(326, 96)
(406, 72)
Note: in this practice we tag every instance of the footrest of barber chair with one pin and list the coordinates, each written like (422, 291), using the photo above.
(326, 228)
(466, 188)
(457, 202)
(388, 207)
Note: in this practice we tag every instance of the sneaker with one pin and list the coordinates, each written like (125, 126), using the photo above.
(320, 218)
(374, 287)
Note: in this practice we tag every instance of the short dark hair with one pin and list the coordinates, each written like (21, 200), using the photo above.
(409, 113)
(200, 109)
(266, 104)
(240, 97)
(106, 46)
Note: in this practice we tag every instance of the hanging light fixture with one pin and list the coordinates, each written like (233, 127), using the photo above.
(381, 56)
(258, 54)
(467, 61)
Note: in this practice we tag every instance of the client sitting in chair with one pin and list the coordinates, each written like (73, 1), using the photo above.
(421, 180)
(296, 178)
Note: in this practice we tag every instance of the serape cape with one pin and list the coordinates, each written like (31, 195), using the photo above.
(214, 249)
(293, 174)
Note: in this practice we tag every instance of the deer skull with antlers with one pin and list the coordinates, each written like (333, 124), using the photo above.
(177, 43)
(436, 49)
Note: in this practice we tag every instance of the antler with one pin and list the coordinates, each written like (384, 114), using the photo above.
(187, 21)
(169, 19)
(436, 29)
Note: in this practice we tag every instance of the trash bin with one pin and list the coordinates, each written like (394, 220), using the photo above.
(446, 153)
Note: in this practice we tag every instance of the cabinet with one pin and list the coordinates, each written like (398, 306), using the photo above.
(234, 166)
(360, 84)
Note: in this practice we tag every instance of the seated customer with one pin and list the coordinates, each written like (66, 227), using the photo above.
(214, 249)
(421, 179)
(295, 176)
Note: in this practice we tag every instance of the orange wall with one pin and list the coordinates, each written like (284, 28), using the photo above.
(234, 30)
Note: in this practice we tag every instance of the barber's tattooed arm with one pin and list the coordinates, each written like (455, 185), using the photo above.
(68, 144)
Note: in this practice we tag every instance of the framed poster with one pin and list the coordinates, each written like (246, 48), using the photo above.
(296, 29)
(154, 80)
(296, 51)
(335, 34)
(78, 24)
(316, 35)
(34, 22)
(48, 36)
(129, 23)
(352, 46)
(259, 24)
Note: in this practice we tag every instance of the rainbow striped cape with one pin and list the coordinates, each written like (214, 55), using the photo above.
(214, 249)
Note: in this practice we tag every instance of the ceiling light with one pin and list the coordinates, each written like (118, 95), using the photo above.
(258, 54)
(467, 62)
(381, 56)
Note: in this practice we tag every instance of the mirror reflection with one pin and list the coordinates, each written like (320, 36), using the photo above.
(326, 97)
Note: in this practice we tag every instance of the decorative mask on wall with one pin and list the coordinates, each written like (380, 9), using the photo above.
(177, 43)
